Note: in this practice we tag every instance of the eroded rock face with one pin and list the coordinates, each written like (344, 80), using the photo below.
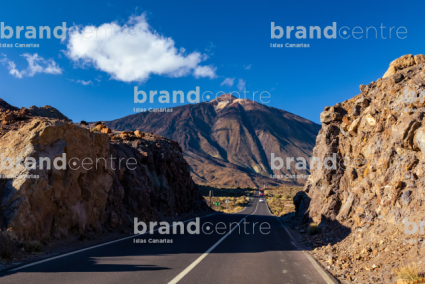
(381, 136)
(379, 143)
(145, 178)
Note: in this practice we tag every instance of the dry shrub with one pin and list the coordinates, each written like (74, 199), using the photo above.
(409, 272)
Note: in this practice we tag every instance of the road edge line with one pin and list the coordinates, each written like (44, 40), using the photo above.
(319, 269)
(92, 247)
(246, 206)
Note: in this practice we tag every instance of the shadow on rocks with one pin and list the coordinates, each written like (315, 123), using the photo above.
(311, 234)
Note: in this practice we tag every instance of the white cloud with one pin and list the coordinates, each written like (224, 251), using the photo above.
(36, 64)
(205, 71)
(133, 52)
(241, 85)
(248, 67)
(228, 82)
(85, 83)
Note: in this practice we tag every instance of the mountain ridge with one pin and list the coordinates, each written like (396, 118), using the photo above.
(229, 137)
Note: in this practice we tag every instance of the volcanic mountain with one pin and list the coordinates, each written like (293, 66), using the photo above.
(229, 141)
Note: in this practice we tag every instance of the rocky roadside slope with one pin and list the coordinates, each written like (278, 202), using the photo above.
(123, 176)
(363, 204)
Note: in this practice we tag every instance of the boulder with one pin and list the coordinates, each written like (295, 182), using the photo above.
(399, 64)
(106, 130)
(419, 59)
(139, 134)
(329, 116)
(9, 117)
(419, 139)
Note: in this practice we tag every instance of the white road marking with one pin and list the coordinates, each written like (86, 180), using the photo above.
(199, 259)
(96, 246)
(196, 262)
(255, 208)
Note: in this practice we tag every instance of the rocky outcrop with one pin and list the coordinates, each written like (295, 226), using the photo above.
(96, 183)
(13, 118)
(378, 182)
(47, 111)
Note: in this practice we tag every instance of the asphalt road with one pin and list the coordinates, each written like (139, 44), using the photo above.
(258, 250)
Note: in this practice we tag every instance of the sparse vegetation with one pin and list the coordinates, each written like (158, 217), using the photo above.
(313, 229)
(95, 130)
(238, 198)
(409, 272)
(33, 246)
(279, 199)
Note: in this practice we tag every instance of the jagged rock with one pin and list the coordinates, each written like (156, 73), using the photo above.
(419, 139)
(362, 102)
(382, 182)
(352, 129)
(9, 117)
(99, 193)
(99, 127)
(127, 133)
(398, 78)
(399, 64)
(329, 116)
(106, 130)
(47, 111)
(419, 59)
(405, 197)
(139, 134)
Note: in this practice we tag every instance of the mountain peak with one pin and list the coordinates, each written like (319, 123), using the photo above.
(225, 97)
(229, 144)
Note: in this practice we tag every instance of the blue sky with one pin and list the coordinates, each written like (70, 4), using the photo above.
(207, 43)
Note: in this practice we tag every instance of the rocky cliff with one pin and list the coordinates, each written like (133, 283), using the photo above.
(377, 185)
(91, 182)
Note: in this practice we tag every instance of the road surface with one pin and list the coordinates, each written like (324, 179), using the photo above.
(251, 246)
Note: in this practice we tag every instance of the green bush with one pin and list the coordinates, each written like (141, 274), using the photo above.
(313, 229)
(33, 246)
